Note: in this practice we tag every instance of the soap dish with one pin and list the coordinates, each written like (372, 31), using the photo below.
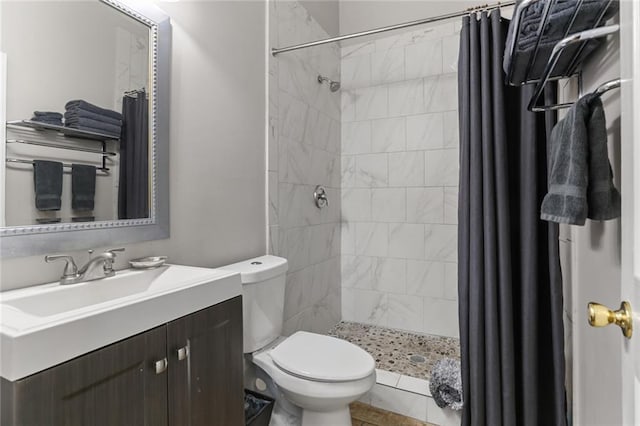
(148, 262)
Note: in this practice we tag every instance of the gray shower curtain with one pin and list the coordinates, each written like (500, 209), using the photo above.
(510, 288)
(133, 185)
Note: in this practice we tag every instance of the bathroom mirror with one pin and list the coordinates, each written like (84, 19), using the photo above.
(85, 147)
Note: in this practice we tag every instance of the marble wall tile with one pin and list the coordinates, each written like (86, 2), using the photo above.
(348, 105)
(424, 59)
(387, 66)
(348, 238)
(351, 48)
(322, 241)
(441, 93)
(451, 281)
(451, 205)
(441, 317)
(372, 239)
(399, 174)
(356, 137)
(295, 247)
(356, 204)
(297, 292)
(371, 307)
(298, 162)
(317, 129)
(406, 169)
(389, 275)
(292, 114)
(442, 167)
(450, 50)
(404, 311)
(273, 198)
(348, 171)
(441, 242)
(406, 241)
(426, 278)
(425, 131)
(451, 139)
(274, 240)
(406, 97)
(425, 205)
(372, 171)
(388, 204)
(371, 102)
(388, 135)
(357, 271)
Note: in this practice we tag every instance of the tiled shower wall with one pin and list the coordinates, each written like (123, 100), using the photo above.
(400, 181)
(304, 151)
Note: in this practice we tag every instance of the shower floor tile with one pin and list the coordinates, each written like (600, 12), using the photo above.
(398, 351)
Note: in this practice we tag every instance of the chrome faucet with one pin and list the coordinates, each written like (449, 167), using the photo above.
(72, 275)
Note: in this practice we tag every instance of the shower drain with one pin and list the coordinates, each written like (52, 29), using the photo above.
(417, 358)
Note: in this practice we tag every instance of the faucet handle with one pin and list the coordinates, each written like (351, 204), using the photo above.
(70, 268)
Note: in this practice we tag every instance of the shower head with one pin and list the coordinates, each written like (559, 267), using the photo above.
(334, 86)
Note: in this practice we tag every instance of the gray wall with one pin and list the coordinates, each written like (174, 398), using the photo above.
(217, 143)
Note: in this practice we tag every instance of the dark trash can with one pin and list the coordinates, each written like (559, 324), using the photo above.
(257, 408)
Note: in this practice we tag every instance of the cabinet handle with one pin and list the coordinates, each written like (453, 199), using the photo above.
(161, 366)
(183, 353)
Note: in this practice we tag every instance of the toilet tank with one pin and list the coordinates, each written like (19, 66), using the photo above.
(263, 282)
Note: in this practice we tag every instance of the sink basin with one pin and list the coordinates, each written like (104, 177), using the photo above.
(56, 299)
(48, 324)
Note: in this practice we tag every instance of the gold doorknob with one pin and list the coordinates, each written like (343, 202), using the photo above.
(600, 316)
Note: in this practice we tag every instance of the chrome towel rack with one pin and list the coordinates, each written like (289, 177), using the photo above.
(66, 165)
(550, 72)
(72, 148)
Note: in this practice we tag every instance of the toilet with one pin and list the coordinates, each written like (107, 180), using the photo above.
(320, 374)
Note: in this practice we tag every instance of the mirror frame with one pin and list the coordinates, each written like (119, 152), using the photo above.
(17, 241)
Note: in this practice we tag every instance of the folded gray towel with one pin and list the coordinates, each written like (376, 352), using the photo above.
(79, 103)
(48, 114)
(580, 182)
(47, 180)
(83, 187)
(93, 125)
(76, 113)
(446, 384)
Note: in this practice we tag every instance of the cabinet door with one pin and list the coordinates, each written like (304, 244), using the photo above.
(116, 385)
(205, 367)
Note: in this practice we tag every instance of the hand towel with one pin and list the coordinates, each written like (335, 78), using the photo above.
(83, 187)
(82, 122)
(446, 384)
(603, 199)
(580, 179)
(79, 103)
(47, 180)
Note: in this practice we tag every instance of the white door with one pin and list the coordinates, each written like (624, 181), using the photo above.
(603, 264)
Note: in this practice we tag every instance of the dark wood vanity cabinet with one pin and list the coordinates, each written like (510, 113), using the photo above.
(126, 383)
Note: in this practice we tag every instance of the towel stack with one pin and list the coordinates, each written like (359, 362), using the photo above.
(47, 117)
(559, 22)
(85, 116)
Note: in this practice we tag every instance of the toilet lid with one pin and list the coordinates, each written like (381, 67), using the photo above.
(323, 358)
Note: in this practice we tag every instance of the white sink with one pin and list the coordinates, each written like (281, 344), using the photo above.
(45, 325)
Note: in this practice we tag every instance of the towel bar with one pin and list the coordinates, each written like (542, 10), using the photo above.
(21, 161)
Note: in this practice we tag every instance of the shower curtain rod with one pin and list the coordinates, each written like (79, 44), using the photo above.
(276, 51)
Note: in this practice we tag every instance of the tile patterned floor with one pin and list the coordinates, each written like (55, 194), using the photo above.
(393, 349)
(366, 415)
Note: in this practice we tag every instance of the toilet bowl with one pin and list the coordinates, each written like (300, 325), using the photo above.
(320, 374)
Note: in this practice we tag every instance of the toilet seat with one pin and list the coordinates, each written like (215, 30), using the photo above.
(322, 358)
